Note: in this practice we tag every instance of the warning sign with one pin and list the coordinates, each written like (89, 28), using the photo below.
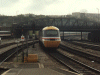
(22, 38)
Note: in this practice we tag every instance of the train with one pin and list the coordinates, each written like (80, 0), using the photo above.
(49, 37)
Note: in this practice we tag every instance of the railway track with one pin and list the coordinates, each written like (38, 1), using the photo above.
(7, 55)
(7, 44)
(2, 70)
(91, 55)
(9, 52)
(4, 56)
(93, 59)
(10, 48)
(89, 45)
(73, 64)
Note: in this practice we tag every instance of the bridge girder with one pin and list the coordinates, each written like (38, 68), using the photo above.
(67, 24)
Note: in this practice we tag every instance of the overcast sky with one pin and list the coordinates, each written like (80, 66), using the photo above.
(48, 7)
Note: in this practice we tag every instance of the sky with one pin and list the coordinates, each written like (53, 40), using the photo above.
(48, 7)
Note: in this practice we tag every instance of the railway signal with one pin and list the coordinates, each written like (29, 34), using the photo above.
(22, 38)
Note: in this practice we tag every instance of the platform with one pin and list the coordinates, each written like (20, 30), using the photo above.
(37, 71)
(44, 66)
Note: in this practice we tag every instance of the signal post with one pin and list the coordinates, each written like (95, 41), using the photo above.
(22, 39)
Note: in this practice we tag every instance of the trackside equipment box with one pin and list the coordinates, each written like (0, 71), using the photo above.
(31, 58)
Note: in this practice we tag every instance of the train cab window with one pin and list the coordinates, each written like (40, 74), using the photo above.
(51, 33)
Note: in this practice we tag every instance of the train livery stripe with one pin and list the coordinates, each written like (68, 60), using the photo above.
(50, 37)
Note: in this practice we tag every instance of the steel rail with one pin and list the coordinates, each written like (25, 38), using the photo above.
(6, 58)
(66, 58)
(81, 53)
(86, 45)
(7, 44)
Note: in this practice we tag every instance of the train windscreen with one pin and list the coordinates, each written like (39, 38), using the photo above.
(51, 33)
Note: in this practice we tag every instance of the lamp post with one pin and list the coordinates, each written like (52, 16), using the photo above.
(98, 14)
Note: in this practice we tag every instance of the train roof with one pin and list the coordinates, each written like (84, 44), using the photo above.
(50, 28)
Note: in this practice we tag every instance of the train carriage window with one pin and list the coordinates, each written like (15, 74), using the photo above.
(51, 33)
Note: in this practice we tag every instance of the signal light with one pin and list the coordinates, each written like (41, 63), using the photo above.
(22, 29)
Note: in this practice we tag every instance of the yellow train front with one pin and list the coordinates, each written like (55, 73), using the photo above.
(50, 37)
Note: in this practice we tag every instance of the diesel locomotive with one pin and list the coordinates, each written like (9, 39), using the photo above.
(49, 37)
